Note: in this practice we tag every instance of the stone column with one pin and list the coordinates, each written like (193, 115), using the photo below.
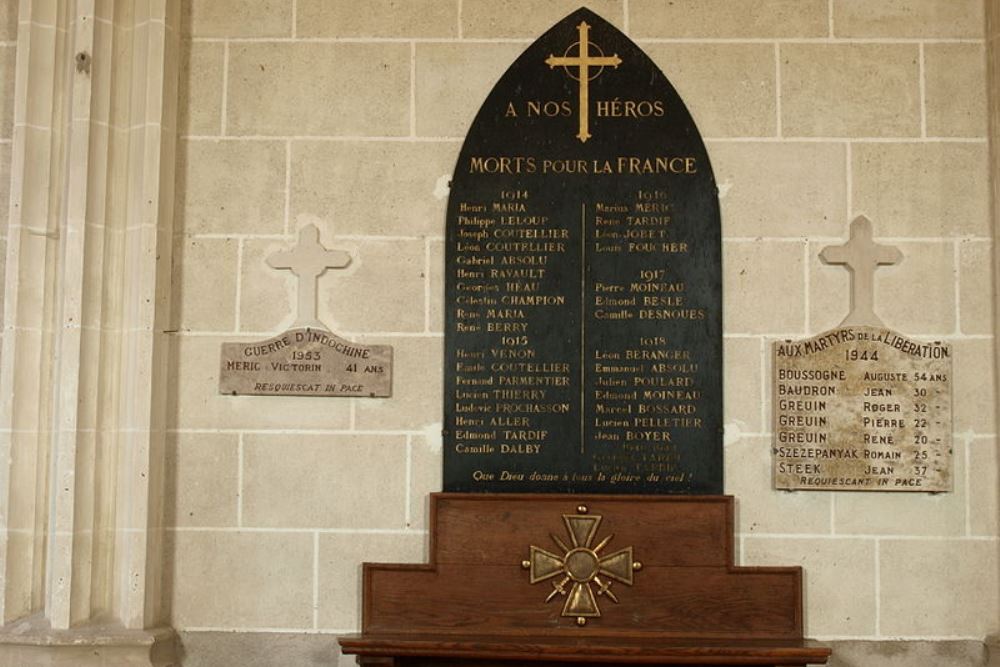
(86, 307)
(993, 100)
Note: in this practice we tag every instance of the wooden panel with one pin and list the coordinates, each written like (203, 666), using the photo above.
(664, 530)
(473, 604)
(498, 599)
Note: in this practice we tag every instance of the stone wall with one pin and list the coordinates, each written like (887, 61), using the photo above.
(321, 111)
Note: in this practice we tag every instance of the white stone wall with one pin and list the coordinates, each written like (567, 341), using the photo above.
(350, 116)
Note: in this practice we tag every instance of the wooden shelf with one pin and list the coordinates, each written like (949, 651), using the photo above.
(474, 603)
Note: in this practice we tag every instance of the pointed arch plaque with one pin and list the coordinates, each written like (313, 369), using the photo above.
(583, 349)
(583, 334)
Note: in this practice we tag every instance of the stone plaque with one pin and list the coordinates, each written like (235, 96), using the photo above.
(305, 362)
(583, 338)
(862, 407)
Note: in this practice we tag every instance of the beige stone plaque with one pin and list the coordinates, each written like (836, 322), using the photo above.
(306, 362)
(862, 408)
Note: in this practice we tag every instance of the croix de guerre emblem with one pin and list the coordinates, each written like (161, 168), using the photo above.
(581, 567)
(583, 61)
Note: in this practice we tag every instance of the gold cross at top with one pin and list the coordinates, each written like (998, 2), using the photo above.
(862, 256)
(584, 61)
(308, 260)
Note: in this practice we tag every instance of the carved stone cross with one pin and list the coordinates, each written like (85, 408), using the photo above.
(308, 260)
(862, 256)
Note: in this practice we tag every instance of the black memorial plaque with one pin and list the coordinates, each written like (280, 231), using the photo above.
(583, 339)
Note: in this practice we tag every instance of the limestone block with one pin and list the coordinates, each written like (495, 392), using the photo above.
(938, 588)
(20, 579)
(8, 21)
(453, 81)
(44, 13)
(199, 263)
(312, 89)
(975, 276)
(830, 289)
(340, 558)
(983, 487)
(201, 479)
(30, 643)
(801, 192)
(324, 481)
(101, 105)
(923, 189)
(425, 477)
(916, 296)
(231, 187)
(416, 386)
(850, 90)
(3, 246)
(908, 18)
(35, 201)
(526, 18)
(199, 105)
(742, 385)
(383, 188)
(4, 186)
(194, 401)
(7, 58)
(907, 513)
(32, 249)
(974, 406)
(895, 653)
(839, 580)
(752, 269)
(728, 88)
(435, 314)
(38, 107)
(257, 649)
(723, 18)
(760, 508)
(266, 295)
(357, 299)
(240, 579)
(236, 18)
(379, 18)
(956, 96)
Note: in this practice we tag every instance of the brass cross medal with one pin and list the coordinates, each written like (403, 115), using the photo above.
(580, 565)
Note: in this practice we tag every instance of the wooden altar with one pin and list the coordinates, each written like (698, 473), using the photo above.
(623, 580)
